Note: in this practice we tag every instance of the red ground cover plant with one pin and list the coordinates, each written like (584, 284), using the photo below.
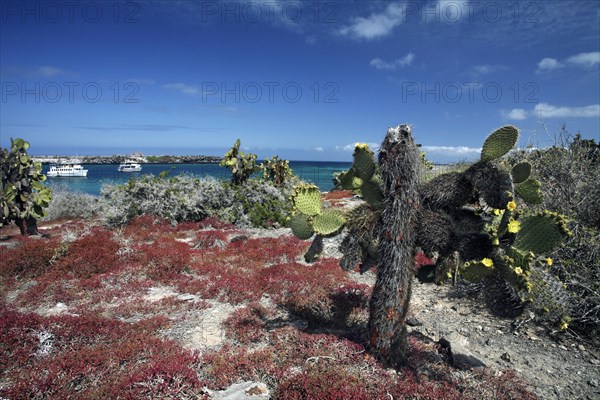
(247, 324)
(164, 259)
(92, 254)
(94, 355)
(215, 223)
(337, 197)
(90, 357)
(147, 228)
(28, 259)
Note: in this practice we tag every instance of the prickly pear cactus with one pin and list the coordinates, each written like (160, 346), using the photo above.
(241, 165)
(311, 218)
(364, 162)
(328, 222)
(529, 191)
(499, 142)
(399, 161)
(520, 172)
(307, 199)
(301, 226)
(276, 170)
(541, 232)
(23, 197)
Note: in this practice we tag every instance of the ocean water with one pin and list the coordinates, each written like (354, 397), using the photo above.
(319, 173)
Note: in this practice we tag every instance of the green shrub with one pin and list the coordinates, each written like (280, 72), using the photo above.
(263, 204)
(186, 198)
(66, 204)
(180, 198)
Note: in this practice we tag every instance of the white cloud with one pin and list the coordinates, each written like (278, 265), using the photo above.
(376, 25)
(319, 149)
(350, 147)
(48, 71)
(518, 114)
(183, 88)
(585, 59)
(548, 64)
(400, 62)
(549, 111)
(459, 151)
(582, 60)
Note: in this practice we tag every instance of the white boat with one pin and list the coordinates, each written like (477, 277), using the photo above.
(130, 166)
(67, 168)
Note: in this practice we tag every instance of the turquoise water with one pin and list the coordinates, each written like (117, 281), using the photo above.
(319, 173)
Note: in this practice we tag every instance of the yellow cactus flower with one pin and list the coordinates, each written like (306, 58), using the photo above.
(496, 211)
(358, 145)
(487, 262)
(564, 325)
(514, 226)
(549, 261)
(511, 206)
(519, 271)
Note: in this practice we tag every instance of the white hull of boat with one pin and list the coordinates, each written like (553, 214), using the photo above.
(67, 170)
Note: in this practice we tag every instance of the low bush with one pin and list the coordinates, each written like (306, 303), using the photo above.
(67, 204)
(569, 173)
(186, 198)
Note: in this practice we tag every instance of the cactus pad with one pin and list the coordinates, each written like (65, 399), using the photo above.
(530, 191)
(500, 142)
(540, 233)
(349, 181)
(301, 226)
(520, 172)
(307, 199)
(372, 194)
(364, 162)
(328, 222)
(475, 271)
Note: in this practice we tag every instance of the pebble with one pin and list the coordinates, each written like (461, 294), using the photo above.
(505, 357)
(593, 383)
(562, 347)
(595, 361)
(581, 347)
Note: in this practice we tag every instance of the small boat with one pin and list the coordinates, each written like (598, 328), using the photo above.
(67, 168)
(130, 166)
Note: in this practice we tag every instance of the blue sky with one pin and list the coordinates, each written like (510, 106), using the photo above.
(304, 80)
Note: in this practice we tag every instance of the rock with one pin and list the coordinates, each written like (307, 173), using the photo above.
(460, 356)
(58, 309)
(239, 238)
(186, 297)
(581, 347)
(412, 321)
(593, 383)
(242, 391)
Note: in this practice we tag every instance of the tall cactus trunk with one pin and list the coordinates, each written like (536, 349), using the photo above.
(399, 160)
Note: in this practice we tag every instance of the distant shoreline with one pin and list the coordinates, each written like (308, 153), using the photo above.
(117, 159)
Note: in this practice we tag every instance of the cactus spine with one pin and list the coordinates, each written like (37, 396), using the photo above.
(399, 163)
